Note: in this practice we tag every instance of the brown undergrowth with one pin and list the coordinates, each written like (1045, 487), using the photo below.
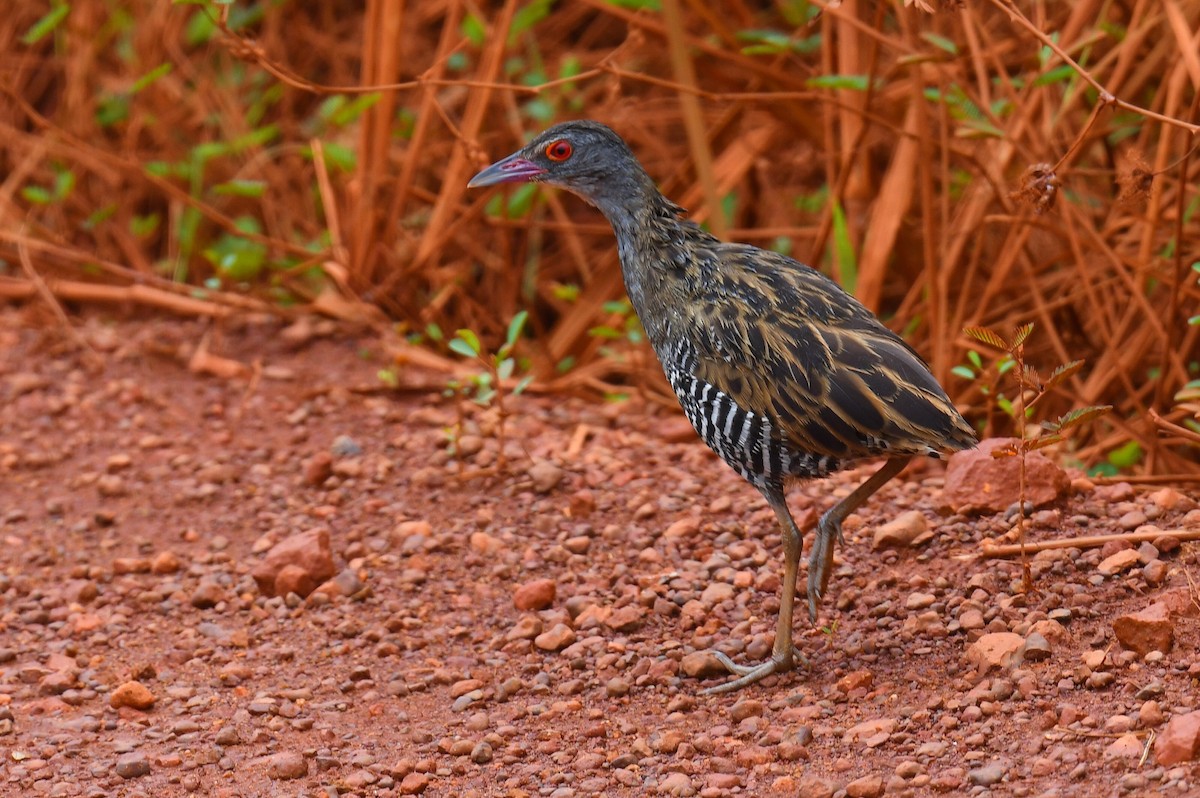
(993, 164)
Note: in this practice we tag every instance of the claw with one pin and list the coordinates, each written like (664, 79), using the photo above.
(750, 674)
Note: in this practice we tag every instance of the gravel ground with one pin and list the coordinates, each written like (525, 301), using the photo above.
(540, 632)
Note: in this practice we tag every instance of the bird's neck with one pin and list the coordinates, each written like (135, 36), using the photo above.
(659, 253)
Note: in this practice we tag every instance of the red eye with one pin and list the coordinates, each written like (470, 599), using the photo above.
(559, 150)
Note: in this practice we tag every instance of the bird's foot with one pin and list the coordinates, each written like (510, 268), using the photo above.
(820, 561)
(750, 674)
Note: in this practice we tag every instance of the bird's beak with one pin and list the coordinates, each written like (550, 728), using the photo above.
(512, 169)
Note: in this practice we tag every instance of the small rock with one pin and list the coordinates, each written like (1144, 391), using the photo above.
(701, 665)
(1155, 572)
(545, 476)
(345, 446)
(995, 650)
(1116, 563)
(317, 469)
(207, 595)
(977, 482)
(414, 784)
(814, 787)
(309, 551)
(855, 680)
(132, 765)
(529, 627)
(556, 638)
(868, 730)
(904, 530)
(1127, 746)
(746, 708)
(866, 787)
(1037, 647)
(287, 765)
(131, 694)
(1179, 741)
(1150, 629)
(1150, 714)
(536, 595)
(986, 775)
(676, 784)
(481, 754)
(165, 562)
(294, 579)
(919, 601)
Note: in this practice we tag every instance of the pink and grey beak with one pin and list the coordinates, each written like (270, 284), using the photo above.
(512, 169)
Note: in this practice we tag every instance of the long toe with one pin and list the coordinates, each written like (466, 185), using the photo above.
(750, 674)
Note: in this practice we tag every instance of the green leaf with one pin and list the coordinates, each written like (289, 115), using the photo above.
(388, 377)
(46, 25)
(941, 42)
(848, 82)
(964, 372)
(515, 326)
(241, 188)
(434, 332)
(528, 16)
(237, 258)
(470, 339)
(151, 76)
(1081, 415)
(975, 359)
(522, 385)
(1056, 75)
(1126, 456)
(843, 248)
(504, 369)
(462, 347)
(143, 226)
(37, 195)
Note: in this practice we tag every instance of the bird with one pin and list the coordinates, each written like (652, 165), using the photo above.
(781, 372)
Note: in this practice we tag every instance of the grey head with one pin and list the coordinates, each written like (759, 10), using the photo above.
(584, 157)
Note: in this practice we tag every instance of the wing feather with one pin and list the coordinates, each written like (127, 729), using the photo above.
(783, 340)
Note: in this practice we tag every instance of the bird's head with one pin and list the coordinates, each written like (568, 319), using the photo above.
(585, 157)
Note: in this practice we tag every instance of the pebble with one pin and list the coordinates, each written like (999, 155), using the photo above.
(414, 784)
(1116, 563)
(701, 665)
(866, 787)
(1149, 629)
(907, 529)
(556, 638)
(131, 694)
(536, 595)
(1037, 648)
(287, 765)
(814, 787)
(132, 765)
(995, 650)
(987, 775)
(678, 784)
(545, 476)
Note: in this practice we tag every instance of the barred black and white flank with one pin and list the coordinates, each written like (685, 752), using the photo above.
(781, 372)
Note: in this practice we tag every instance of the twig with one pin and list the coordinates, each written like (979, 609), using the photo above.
(1087, 542)
(1106, 97)
(48, 297)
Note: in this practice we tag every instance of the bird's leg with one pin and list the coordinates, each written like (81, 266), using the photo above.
(829, 528)
(783, 655)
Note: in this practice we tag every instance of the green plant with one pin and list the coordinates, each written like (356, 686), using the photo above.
(486, 387)
(1031, 389)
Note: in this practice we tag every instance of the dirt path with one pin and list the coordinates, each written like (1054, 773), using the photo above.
(136, 499)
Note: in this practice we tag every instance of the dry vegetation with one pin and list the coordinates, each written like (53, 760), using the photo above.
(986, 164)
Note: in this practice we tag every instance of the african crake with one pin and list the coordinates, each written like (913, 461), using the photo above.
(781, 372)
